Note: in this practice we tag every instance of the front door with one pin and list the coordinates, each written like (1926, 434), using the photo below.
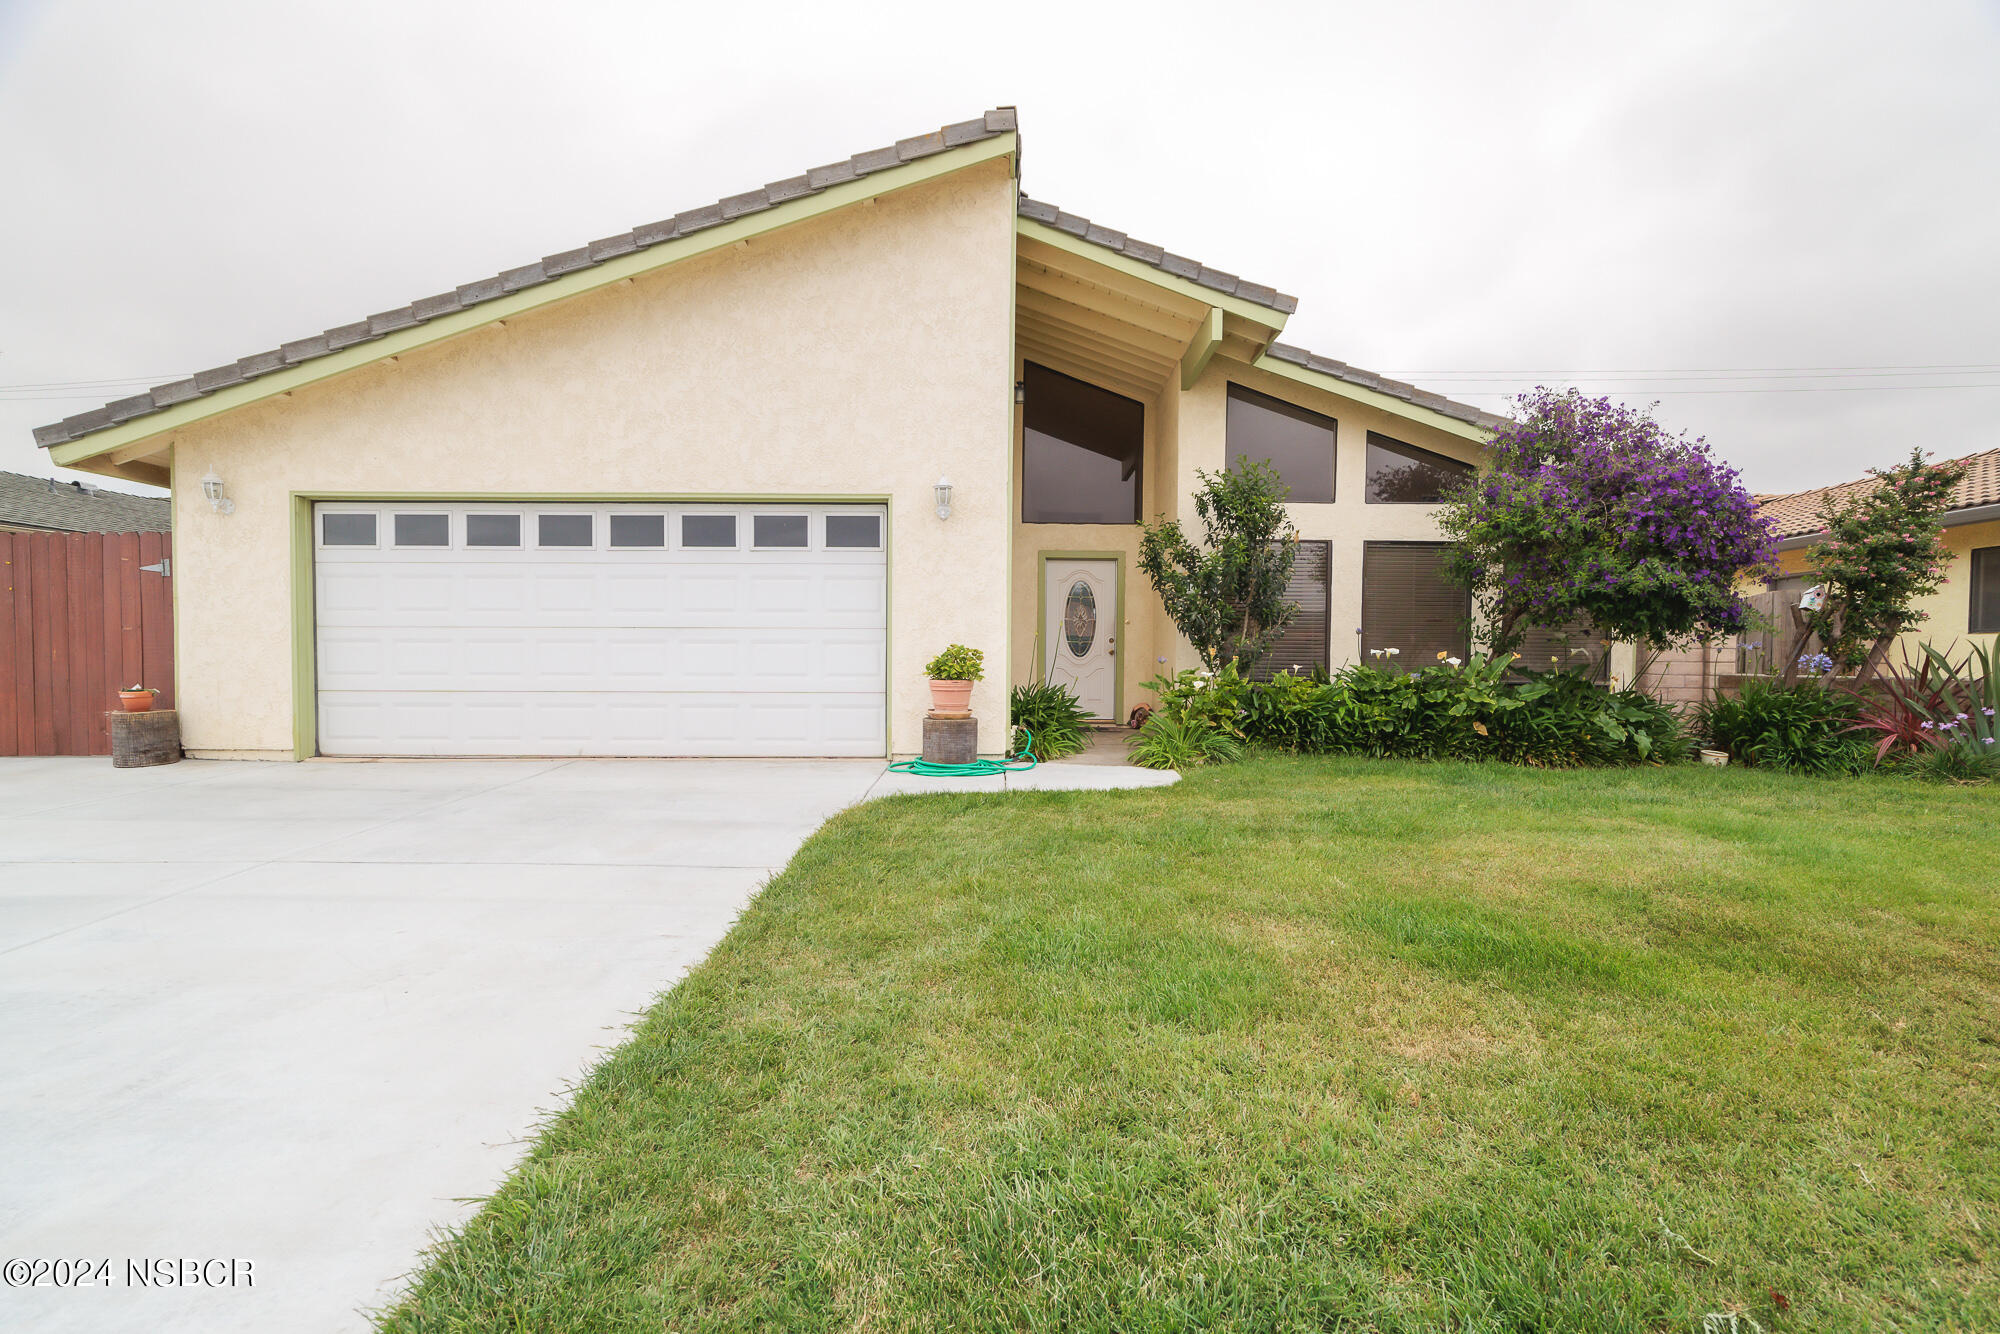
(1080, 629)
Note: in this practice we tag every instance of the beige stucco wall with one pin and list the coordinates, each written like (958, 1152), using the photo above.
(1947, 612)
(1349, 521)
(862, 353)
(1141, 618)
(1186, 434)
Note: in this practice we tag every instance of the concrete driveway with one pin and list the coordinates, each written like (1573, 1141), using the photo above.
(294, 1014)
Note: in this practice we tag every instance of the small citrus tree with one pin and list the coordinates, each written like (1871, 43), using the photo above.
(1592, 512)
(1884, 549)
(1227, 595)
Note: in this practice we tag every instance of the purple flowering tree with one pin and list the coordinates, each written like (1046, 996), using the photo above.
(1592, 512)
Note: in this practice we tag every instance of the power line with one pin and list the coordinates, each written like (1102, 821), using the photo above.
(1958, 367)
(1765, 389)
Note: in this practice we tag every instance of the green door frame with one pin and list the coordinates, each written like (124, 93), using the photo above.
(1117, 558)
(305, 682)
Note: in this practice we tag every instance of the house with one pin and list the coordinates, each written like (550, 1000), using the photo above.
(1969, 602)
(722, 484)
(45, 505)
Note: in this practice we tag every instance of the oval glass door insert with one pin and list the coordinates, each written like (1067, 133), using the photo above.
(1080, 618)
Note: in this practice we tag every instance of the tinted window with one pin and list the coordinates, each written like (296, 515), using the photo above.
(347, 530)
(423, 530)
(563, 530)
(1304, 644)
(1080, 452)
(778, 530)
(1985, 613)
(1299, 444)
(1407, 604)
(1400, 474)
(493, 530)
(708, 530)
(854, 530)
(638, 530)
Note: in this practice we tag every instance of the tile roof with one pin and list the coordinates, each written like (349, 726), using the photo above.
(1002, 120)
(1164, 260)
(78, 507)
(1409, 393)
(997, 122)
(1797, 514)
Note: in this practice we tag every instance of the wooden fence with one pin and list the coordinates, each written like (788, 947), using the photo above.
(80, 617)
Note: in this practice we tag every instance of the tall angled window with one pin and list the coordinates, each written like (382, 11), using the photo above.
(1081, 448)
(1297, 443)
(1400, 474)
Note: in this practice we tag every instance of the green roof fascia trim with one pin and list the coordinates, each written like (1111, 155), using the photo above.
(1388, 403)
(618, 270)
(1263, 316)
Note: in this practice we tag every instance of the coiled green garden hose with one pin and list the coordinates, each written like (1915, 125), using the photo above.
(972, 768)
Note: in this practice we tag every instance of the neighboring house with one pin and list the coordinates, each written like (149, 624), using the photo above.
(45, 505)
(680, 491)
(1967, 604)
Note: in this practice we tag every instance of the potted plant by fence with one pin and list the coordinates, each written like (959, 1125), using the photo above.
(952, 673)
(137, 699)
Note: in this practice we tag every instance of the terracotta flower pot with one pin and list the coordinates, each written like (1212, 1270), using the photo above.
(137, 701)
(950, 698)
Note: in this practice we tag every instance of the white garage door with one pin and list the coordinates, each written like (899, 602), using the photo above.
(508, 629)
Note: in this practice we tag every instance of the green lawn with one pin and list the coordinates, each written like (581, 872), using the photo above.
(1304, 1044)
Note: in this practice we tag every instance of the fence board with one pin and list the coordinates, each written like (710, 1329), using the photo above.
(78, 620)
(47, 553)
(132, 662)
(8, 711)
(156, 610)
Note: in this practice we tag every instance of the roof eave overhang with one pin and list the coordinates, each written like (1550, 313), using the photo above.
(1261, 315)
(1949, 519)
(75, 453)
(1388, 403)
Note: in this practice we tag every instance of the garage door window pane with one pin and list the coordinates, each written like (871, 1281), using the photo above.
(638, 530)
(347, 530)
(1080, 452)
(564, 530)
(778, 530)
(423, 530)
(1297, 443)
(493, 530)
(708, 530)
(854, 530)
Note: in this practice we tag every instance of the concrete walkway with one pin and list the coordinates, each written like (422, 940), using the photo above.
(294, 1015)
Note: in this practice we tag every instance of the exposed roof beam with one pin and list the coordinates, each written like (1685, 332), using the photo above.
(1099, 325)
(1201, 348)
(1087, 261)
(1084, 347)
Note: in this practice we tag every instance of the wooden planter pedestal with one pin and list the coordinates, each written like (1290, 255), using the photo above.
(139, 740)
(950, 740)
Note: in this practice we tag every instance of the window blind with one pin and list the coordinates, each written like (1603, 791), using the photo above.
(1304, 643)
(1407, 604)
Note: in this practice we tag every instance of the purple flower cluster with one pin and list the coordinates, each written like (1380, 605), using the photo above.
(1592, 511)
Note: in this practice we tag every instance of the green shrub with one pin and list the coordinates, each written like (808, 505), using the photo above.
(1215, 698)
(1448, 711)
(1167, 742)
(1052, 715)
(957, 663)
(1803, 728)
(1940, 718)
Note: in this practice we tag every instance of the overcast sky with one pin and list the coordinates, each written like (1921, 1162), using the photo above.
(1778, 220)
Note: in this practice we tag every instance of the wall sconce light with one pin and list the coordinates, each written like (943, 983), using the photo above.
(1020, 391)
(211, 491)
(942, 493)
